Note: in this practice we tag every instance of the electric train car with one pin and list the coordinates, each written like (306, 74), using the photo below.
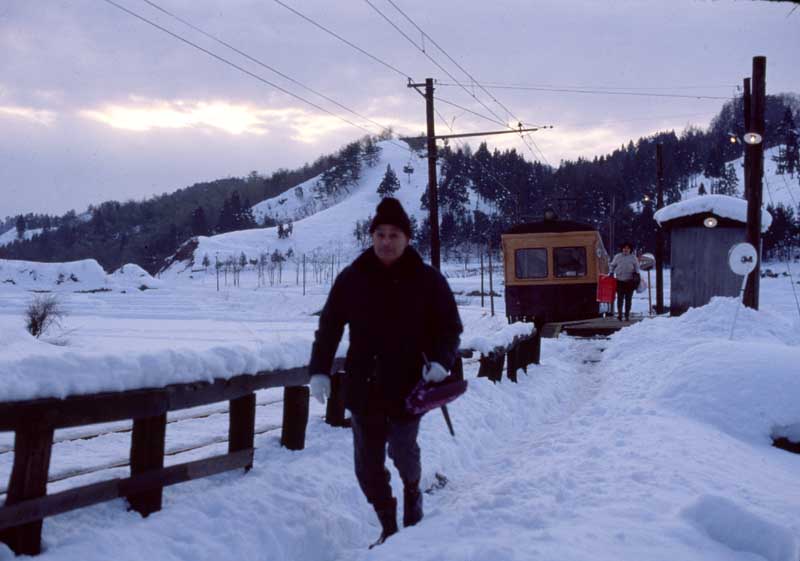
(551, 271)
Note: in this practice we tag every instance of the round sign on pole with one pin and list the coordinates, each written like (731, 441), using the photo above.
(742, 258)
(647, 261)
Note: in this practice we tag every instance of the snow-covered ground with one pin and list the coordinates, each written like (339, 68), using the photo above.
(655, 444)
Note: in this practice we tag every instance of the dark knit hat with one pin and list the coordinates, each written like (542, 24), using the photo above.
(390, 211)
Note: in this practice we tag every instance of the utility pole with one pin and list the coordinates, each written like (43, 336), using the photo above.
(612, 224)
(433, 197)
(755, 150)
(746, 107)
(431, 137)
(659, 231)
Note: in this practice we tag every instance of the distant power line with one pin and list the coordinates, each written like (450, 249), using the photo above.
(343, 40)
(264, 65)
(475, 81)
(594, 91)
(443, 69)
(238, 67)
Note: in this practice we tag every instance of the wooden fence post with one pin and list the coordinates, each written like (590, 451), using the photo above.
(32, 448)
(512, 363)
(334, 413)
(147, 453)
(242, 424)
(295, 417)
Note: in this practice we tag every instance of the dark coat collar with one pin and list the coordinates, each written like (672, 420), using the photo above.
(408, 263)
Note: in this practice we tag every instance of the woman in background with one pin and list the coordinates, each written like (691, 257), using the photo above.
(625, 268)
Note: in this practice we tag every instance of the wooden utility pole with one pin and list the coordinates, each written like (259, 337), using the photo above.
(491, 279)
(659, 231)
(433, 197)
(746, 107)
(431, 137)
(754, 175)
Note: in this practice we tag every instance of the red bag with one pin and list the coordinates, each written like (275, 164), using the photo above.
(606, 288)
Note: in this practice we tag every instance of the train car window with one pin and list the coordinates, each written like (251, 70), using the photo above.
(569, 261)
(531, 263)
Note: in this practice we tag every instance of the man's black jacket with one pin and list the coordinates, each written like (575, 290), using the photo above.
(395, 314)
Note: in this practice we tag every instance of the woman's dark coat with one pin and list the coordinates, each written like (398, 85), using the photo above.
(395, 314)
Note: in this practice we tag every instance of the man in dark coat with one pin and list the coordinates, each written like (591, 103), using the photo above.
(397, 308)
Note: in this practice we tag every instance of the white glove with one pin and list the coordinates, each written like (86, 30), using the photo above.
(434, 373)
(320, 387)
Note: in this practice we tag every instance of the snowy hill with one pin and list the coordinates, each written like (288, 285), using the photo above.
(778, 189)
(329, 230)
(10, 236)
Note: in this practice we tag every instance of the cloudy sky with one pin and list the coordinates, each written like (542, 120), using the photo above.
(96, 104)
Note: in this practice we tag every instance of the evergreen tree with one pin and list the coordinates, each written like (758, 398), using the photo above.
(20, 225)
(726, 185)
(389, 183)
(247, 219)
(702, 189)
(788, 158)
(199, 225)
(372, 152)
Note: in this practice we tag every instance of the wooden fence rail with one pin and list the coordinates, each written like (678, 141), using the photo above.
(34, 423)
(521, 352)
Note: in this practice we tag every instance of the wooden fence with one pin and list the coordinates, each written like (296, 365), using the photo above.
(34, 423)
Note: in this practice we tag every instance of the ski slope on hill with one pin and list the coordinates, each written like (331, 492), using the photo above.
(329, 230)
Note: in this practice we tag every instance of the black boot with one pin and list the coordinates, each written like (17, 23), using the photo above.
(412, 504)
(387, 516)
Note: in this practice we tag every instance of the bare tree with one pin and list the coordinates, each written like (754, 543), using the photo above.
(43, 313)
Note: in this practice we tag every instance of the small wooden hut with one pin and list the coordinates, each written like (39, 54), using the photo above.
(702, 231)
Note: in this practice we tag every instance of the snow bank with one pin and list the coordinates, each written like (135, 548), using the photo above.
(75, 275)
(503, 337)
(746, 387)
(740, 530)
(30, 368)
(133, 276)
(721, 205)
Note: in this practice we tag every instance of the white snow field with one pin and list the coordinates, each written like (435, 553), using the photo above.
(658, 447)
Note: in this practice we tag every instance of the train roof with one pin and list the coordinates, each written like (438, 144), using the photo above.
(550, 226)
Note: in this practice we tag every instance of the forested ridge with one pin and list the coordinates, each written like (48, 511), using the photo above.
(508, 189)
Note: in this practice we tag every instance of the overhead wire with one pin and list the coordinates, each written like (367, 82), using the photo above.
(264, 64)
(490, 119)
(788, 267)
(471, 77)
(238, 67)
(429, 57)
(424, 52)
(594, 91)
(343, 40)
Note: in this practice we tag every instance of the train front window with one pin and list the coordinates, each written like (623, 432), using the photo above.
(569, 261)
(531, 263)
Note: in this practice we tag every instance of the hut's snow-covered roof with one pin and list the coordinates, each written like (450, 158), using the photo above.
(720, 205)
